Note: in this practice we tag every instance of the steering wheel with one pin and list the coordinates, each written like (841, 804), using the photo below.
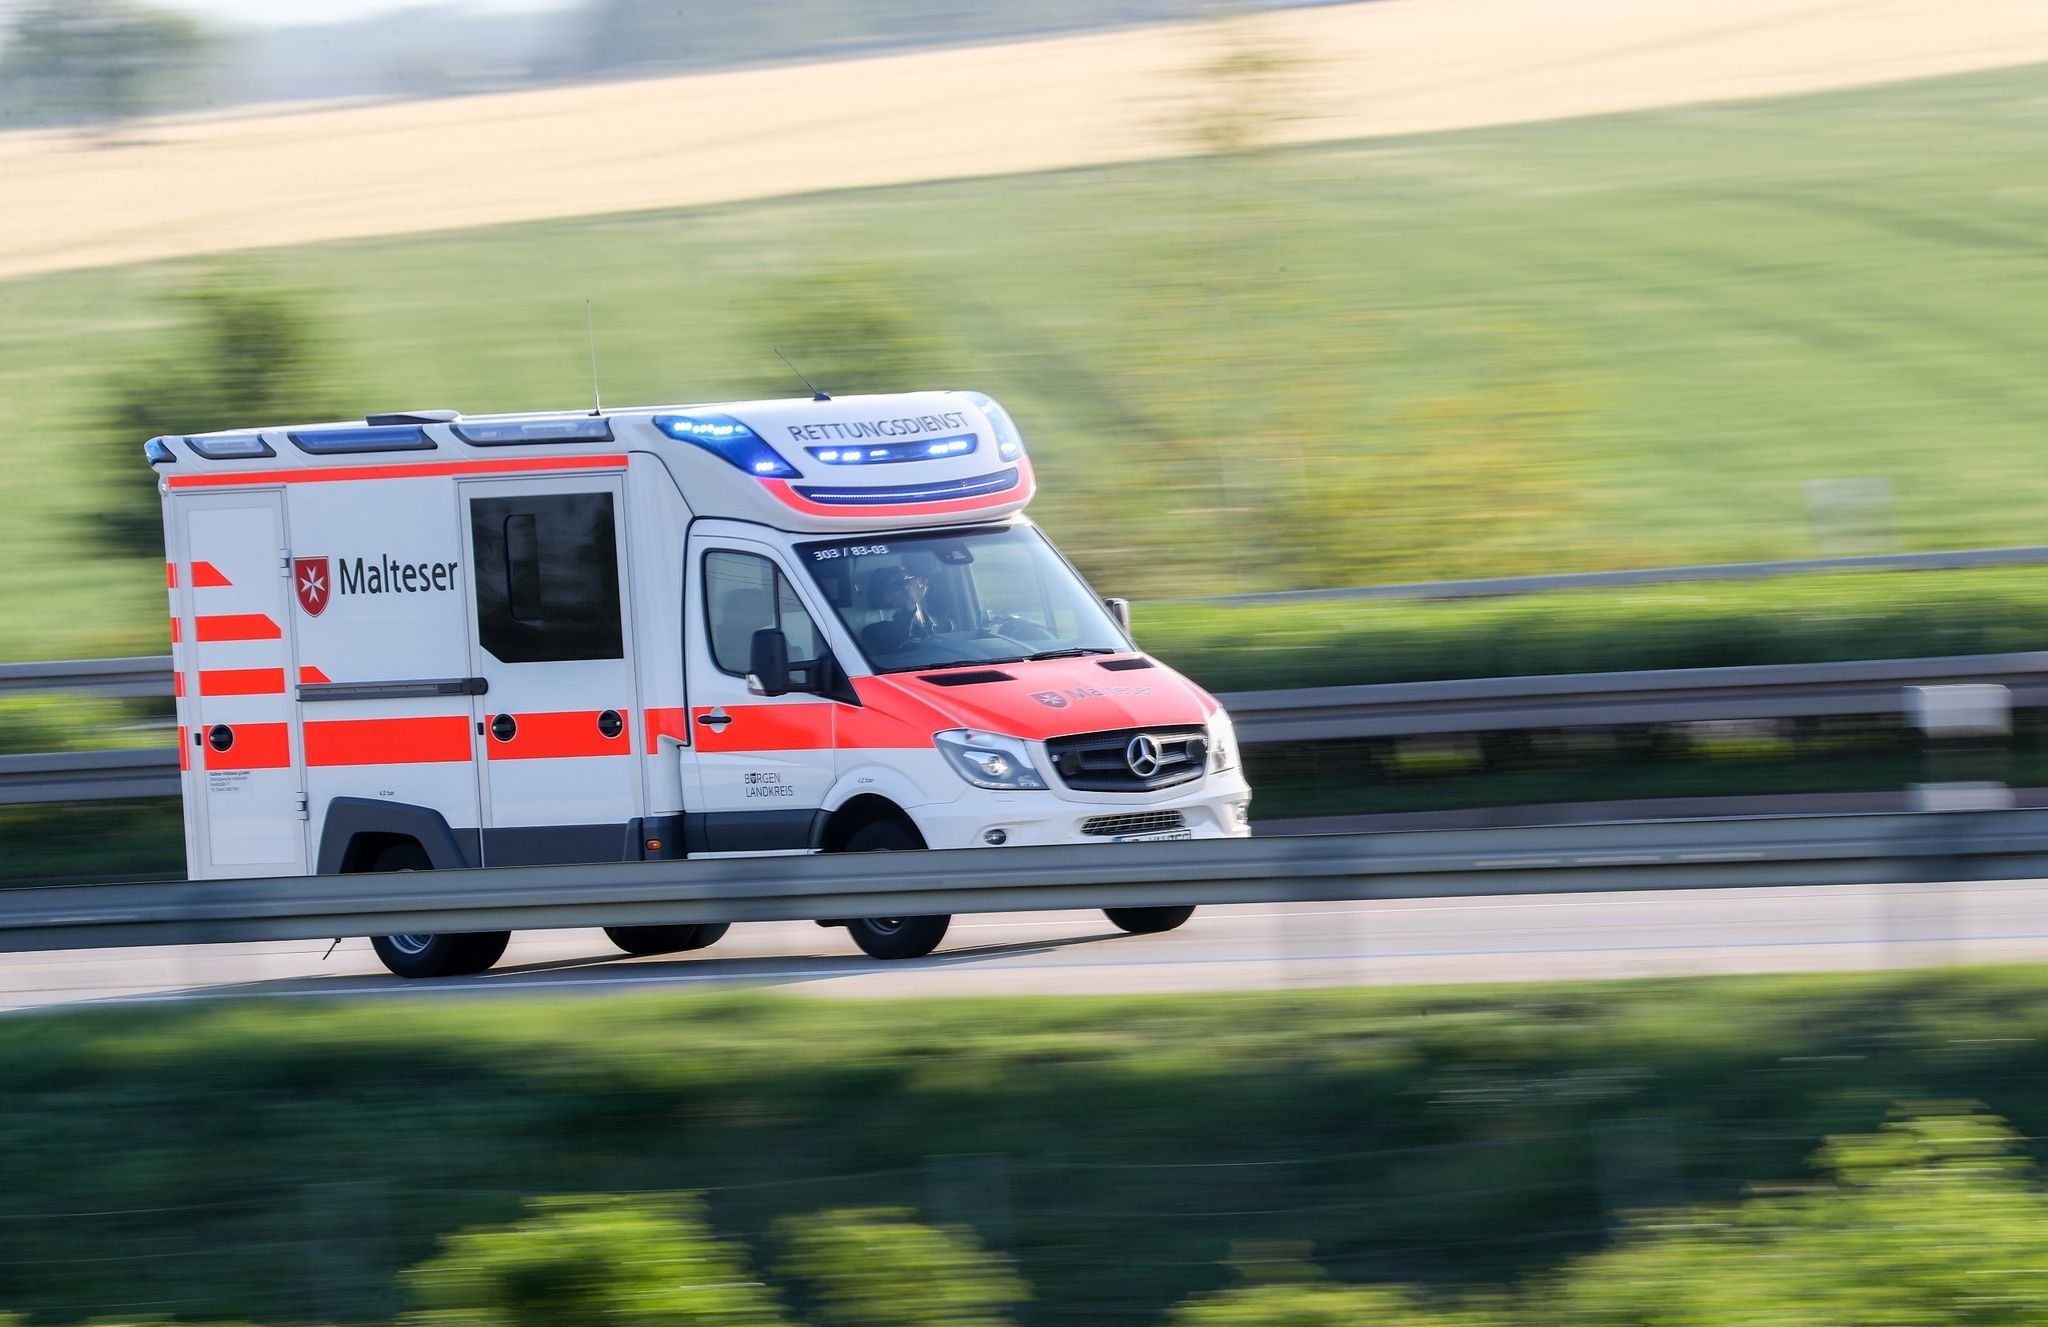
(1015, 628)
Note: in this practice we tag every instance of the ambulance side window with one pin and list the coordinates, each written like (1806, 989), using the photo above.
(547, 577)
(745, 593)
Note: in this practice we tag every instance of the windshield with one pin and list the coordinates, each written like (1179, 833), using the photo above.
(959, 597)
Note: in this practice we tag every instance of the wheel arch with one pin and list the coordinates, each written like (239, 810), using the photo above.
(835, 829)
(357, 829)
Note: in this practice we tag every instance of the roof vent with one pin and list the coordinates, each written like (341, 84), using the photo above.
(413, 417)
(965, 679)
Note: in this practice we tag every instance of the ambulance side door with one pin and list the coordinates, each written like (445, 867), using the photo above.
(765, 763)
(548, 593)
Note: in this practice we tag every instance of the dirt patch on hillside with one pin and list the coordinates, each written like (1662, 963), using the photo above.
(1349, 71)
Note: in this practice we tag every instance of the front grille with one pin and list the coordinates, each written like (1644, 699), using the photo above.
(1096, 762)
(1142, 822)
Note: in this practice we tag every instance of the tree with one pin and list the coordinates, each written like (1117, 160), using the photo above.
(244, 354)
(627, 1261)
(875, 1267)
(96, 61)
(1320, 1305)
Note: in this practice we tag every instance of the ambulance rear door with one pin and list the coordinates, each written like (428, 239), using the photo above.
(244, 747)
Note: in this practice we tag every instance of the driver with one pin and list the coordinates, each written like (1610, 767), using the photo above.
(898, 592)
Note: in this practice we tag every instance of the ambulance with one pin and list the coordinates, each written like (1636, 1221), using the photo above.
(430, 641)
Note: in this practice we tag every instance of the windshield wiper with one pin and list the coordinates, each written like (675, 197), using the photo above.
(951, 663)
(1071, 652)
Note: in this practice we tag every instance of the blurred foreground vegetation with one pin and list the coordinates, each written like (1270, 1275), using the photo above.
(1719, 333)
(1610, 1153)
(1937, 1218)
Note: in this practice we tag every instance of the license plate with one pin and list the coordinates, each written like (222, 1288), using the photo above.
(1154, 838)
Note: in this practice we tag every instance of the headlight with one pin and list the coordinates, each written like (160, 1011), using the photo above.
(1222, 743)
(987, 760)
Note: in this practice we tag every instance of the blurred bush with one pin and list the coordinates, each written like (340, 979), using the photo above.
(245, 353)
(876, 1267)
(628, 1261)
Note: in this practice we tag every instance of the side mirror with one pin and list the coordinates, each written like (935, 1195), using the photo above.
(768, 663)
(1120, 613)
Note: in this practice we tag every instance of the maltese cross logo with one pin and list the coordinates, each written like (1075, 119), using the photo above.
(309, 576)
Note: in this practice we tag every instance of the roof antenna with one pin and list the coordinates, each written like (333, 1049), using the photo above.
(816, 395)
(590, 330)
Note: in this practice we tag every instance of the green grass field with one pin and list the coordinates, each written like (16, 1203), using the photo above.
(272, 1162)
(1615, 342)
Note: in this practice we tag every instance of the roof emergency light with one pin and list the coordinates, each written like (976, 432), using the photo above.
(730, 441)
(889, 453)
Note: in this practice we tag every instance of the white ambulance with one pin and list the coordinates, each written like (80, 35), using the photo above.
(428, 641)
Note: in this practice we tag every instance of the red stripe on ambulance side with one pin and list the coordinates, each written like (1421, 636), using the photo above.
(421, 470)
(257, 746)
(667, 721)
(178, 685)
(174, 631)
(441, 738)
(171, 575)
(562, 735)
(236, 626)
(184, 748)
(206, 576)
(241, 681)
(308, 673)
(800, 726)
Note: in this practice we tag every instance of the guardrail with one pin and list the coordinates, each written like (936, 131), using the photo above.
(1498, 586)
(1707, 854)
(1399, 709)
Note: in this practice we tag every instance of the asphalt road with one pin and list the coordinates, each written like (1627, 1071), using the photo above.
(1253, 947)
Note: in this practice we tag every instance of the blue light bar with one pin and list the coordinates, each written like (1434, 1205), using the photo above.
(943, 490)
(235, 447)
(930, 449)
(367, 438)
(514, 433)
(158, 452)
(729, 440)
(1009, 442)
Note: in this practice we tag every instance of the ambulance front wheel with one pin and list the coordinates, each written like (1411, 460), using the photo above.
(893, 937)
(666, 939)
(432, 955)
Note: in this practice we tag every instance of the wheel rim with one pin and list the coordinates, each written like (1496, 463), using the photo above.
(410, 944)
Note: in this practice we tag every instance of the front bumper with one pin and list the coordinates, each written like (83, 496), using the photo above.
(1216, 807)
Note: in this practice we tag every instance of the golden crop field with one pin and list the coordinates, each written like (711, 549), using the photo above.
(193, 186)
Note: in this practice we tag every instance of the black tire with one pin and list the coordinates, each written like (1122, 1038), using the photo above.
(667, 939)
(1147, 921)
(893, 937)
(432, 955)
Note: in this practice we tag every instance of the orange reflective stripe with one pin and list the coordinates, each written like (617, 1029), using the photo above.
(667, 721)
(799, 726)
(256, 746)
(561, 736)
(171, 575)
(237, 626)
(178, 685)
(174, 631)
(389, 741)
(206, 576)
(417, 470)
(184, 748)
(241, 681)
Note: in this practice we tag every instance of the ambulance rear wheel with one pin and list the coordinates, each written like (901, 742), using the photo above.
(1147, 921)
(432, 955)
(893, 937)
(666, 939)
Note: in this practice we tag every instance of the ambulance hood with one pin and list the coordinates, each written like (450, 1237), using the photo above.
(1044, 699)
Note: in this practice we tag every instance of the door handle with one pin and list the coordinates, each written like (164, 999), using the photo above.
(715, 719)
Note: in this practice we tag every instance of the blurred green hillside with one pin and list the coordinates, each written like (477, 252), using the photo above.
(1616, 342)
